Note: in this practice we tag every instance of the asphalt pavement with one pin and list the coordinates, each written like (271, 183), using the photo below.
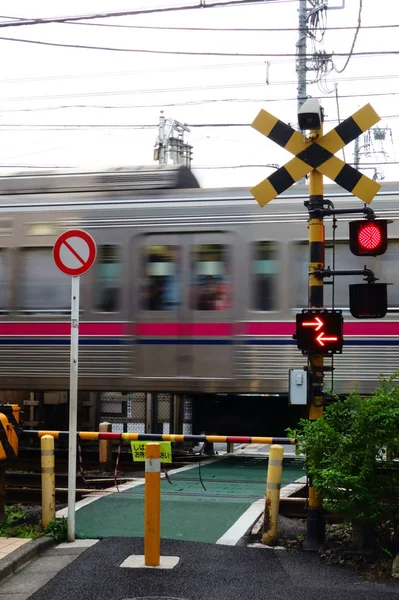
(204, 571)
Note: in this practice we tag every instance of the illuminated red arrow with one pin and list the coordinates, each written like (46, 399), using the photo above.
(322, 339)
(317, 323)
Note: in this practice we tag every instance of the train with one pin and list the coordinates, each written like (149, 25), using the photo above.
(193, 290)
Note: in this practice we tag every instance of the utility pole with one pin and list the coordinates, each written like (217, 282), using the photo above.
(301, 67)
(356, 154)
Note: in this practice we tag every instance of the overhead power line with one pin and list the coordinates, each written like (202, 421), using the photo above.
(229, 29)
(359, 23)
(19, 22)
(191, 53)
(194, 167)
(209, 167)
(84, 126)
(188, 102)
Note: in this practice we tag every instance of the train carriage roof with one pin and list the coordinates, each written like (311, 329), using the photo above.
(124, 178)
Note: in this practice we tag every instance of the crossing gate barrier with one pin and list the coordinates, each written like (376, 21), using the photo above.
(10, 431)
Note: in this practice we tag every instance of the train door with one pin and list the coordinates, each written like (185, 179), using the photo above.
(162, 334)
(211, 304)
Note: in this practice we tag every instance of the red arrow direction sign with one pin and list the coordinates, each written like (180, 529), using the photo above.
(319, 331)
(317, 323)
(74, 252)
(320, 339)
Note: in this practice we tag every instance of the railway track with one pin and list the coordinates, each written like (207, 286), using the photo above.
(25, 488)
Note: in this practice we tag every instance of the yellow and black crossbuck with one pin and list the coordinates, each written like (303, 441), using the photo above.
(317, 155)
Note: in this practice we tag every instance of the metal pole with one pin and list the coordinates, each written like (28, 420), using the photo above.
(48, 479)
(315, 521)
(105, 448)
(301, 68)
(274, 473)
(73, 407)
(152, 505)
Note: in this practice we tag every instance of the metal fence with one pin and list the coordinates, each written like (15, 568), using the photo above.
(143, 412)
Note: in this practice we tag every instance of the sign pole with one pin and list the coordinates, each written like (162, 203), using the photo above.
(73, 407)
(74, 254)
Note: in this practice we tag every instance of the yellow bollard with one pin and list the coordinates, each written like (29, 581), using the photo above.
(48, 479)
(274, 472)
(105, 448)
(152, 505)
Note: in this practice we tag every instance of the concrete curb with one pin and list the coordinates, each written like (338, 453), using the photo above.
(19, 557)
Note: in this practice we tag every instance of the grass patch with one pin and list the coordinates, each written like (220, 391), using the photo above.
(15, 524)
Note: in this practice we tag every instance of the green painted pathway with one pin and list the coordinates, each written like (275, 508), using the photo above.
(188, 512)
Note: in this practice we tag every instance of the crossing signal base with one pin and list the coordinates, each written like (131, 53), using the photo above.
(319, 331)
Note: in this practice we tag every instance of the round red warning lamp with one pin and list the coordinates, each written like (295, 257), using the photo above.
(370, 236)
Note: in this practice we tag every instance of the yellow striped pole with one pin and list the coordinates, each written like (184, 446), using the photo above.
(152, 505)
(48, 479)
(274, 472)
(315, 520)
(105, 448)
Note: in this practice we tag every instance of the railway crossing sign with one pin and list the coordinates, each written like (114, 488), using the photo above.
(74, 252)
(319, 331)
(317, 154)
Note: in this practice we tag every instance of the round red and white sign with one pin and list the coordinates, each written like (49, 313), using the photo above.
(74, 252)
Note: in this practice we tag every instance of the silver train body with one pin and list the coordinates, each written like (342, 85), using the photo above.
(239, 277)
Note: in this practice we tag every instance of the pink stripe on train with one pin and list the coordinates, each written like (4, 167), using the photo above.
(62, 329)
(184, 329)
(352, 328)
(263, 329)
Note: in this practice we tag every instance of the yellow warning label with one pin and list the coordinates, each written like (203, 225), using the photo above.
(138, 451)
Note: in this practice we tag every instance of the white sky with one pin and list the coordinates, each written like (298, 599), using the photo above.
(44, 88)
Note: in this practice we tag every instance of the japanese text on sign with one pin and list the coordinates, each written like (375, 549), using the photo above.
(138, 451)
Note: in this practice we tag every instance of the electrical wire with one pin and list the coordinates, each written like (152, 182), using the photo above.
(191, 53)
(338, 115)
(231, 29)
(194, 167)
(18, 21)
(359, 23)
(189, 89)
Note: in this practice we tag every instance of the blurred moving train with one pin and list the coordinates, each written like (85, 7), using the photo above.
(193, 290)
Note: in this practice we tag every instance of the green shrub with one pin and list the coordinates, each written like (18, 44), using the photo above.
(58, 529)
(352, 456)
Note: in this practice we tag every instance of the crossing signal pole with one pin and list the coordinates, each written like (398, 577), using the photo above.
(315, 521)
(315, 155)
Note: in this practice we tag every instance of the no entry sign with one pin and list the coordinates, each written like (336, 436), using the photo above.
(74, 252)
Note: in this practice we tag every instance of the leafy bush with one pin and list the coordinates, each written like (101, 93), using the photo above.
(58, 529)
(16, 524)
(352, 456)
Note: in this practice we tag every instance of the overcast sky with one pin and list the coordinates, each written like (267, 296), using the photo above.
(69, 107)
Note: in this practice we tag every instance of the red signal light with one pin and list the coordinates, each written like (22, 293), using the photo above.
(368, 238)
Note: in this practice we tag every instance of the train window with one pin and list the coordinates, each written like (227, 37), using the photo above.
(386, 269)
(43, 288)
(211, 286)
(108, 272)
(161, 278)
(265, 271)
(4, 279)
